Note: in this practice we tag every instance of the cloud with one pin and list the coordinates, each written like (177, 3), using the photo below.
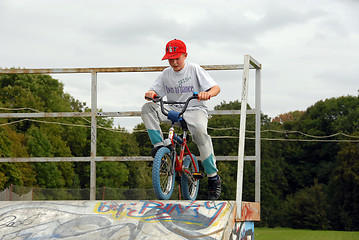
(308, 49)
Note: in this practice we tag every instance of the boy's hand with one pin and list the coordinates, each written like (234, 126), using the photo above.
(203, 96)
(150, 94)
(212, 92)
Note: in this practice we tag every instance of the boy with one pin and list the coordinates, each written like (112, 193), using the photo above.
(178, 82)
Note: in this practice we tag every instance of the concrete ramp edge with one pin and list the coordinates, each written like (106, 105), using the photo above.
(113, 219)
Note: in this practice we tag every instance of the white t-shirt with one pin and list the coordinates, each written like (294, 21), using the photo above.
(179, 86)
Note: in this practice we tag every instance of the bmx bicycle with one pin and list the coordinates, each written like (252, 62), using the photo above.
(167, 163)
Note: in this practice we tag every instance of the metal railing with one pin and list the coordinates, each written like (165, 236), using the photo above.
(249, 63)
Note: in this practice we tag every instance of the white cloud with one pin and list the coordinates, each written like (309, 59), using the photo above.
(308, 49)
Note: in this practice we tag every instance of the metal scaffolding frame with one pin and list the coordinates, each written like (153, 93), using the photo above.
(249, 63)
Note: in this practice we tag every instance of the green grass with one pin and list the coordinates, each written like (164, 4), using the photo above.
(299, 234)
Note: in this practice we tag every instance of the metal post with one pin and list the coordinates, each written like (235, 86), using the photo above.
(242, 131)
(11, 192)
(93, 135)
(258, 137)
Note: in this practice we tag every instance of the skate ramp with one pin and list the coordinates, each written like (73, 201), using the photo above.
(117, 220)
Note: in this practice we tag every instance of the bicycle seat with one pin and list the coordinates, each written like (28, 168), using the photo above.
(174, 116)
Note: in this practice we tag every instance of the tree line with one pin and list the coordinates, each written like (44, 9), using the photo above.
(309, 162)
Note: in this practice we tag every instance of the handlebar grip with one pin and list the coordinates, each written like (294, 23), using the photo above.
(154, 99)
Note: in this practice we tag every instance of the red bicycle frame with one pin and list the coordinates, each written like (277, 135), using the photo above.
(184, 152)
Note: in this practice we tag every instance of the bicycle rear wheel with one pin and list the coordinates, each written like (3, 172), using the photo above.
(163, 174)
(189, 185)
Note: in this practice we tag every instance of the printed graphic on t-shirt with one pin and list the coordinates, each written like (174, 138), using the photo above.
(186, 79)
(179, 90)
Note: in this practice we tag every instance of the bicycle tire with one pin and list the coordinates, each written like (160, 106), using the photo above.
(189, 188)
(163, 174)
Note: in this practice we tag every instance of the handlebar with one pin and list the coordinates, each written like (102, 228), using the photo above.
(160, 99)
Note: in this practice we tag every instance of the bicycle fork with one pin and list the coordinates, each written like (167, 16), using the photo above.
(180, 167)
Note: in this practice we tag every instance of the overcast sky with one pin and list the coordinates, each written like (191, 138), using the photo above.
(309, 50)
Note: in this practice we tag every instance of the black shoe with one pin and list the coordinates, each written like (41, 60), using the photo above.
(214, 189)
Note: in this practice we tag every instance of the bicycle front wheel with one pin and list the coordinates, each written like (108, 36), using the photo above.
(163, 174)
(189, 184)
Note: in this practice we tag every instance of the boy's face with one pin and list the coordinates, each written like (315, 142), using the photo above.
(178, 63)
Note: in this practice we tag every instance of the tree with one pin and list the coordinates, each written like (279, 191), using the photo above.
(287, 117)
(31, 92)
(12, 145)
(344, 188)
(308, 208)
(327, 162)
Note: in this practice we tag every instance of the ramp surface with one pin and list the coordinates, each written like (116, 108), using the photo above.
(116, 220)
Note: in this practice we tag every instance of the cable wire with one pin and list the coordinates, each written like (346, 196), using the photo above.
(316, 138)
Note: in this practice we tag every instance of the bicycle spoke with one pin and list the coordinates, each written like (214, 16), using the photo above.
(189, 183)
(165, 173)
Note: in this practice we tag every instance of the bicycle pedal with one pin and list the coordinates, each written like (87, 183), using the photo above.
(198, 175)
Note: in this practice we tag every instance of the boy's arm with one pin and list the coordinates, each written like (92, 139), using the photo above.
(212, 92)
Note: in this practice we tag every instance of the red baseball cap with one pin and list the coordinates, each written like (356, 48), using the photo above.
(174, 49)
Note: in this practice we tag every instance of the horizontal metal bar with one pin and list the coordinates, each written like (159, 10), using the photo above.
(104, 159)
(104, 114)
(46, 159)
(119, 114)
(229, 112)
(83, 70)
(45, 114)
(250, 158)
(138, 113)
(111, 69)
